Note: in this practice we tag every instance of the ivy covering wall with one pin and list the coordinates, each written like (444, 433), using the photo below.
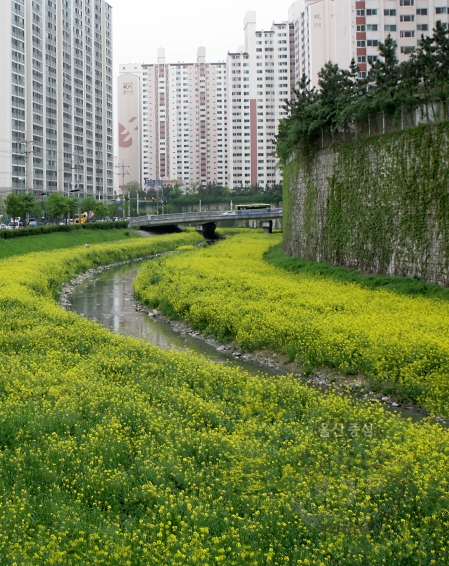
(380, 205)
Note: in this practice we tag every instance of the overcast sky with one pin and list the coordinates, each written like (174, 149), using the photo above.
(181, 26)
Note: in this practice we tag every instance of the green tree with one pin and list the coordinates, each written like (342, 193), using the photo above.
(133, 187)
(56, 205)
(15, 205)
(343, 98)
(89, 204)
(74, 205)
(193, 188)
(385, 85)
(113, 210)
(101, 210)
(427, 71)
(32, 206)
(175, 193)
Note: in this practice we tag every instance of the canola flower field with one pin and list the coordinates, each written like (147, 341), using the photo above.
(113, 452)
(229, 291)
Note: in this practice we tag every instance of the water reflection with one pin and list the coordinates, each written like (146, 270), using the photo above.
(108, 299)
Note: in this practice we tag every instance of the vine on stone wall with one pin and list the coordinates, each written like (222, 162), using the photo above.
(384, 208)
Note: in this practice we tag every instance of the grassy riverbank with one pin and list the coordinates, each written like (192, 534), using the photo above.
(116, 453)
(62, 240)
(229, 291)
(401, 285)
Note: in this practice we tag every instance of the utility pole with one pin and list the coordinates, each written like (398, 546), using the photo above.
(122, 173)
(26, 155)
(75, 169)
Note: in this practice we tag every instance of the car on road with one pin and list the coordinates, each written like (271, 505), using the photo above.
(15, 225)
(32, 223)
(3, 226)
(229, 213)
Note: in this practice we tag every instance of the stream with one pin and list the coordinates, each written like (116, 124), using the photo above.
(108, 299)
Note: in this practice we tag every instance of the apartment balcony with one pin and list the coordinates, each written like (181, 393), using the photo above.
(18, 33)
(17, 103)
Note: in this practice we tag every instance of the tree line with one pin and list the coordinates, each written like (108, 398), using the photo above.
(210, 194)
(55, 206)
(344, 97)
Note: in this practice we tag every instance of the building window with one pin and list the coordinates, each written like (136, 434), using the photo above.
(360, 13)
(389, 12)
(361, 28)
(390, 28)
(407, 49)
(422, 27)
(408, 18)
(361, 43)
(361, 59)
(371, 12)
(372, 42)
(408, 33)
(407, 2)
(371, 27)
(441, 10)
(421, 11)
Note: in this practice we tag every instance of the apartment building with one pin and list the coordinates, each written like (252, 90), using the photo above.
(342, 30)
(260, 76)
(56, 97)
(180, 128)
(314, 36)
(204, 122)
(360, 26)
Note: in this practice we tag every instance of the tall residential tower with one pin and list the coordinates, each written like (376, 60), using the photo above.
(56, 97)
(173, 125)
(261, 75)
(360, 26)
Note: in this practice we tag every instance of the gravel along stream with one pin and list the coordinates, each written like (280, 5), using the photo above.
(106, 295)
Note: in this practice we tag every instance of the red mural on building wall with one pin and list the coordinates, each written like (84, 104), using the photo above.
(125, 138)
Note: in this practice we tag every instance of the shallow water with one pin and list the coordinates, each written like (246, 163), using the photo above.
(108, 299)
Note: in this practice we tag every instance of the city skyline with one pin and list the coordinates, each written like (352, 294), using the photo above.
(184, 27)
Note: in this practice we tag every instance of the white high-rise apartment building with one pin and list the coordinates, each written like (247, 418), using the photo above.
(341, 30)
(313, 23)
(359, 26)
(260, 77)
(175, 130)
(56, 97)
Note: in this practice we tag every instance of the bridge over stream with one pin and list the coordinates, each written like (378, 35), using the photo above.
(206, 222)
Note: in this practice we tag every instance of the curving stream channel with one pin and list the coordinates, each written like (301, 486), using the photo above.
(108, 299)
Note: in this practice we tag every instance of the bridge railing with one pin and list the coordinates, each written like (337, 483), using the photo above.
(196, 216)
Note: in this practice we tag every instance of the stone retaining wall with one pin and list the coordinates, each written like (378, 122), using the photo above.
(380, 205)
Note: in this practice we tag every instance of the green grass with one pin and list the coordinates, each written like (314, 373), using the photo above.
(402, 285)
(61, 240)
